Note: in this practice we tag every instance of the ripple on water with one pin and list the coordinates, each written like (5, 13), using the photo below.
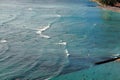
(8, 19)
(42, 64)
(3, 46)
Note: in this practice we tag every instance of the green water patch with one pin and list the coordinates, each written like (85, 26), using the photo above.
(109, 71)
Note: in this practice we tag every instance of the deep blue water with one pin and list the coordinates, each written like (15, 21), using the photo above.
(42, 40)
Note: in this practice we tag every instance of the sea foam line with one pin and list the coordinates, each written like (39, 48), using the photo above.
(45, 36)
(40, 30)
(64, 44)
(44, 28)
(3, 41)
(67, 53)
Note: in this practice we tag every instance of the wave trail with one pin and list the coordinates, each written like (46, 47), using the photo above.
(45, 36)
(3, 41)
(64, 44)
(44, 28)
(67, 53)
(40, 30)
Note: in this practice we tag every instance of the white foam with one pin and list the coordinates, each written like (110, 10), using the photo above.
(62, 43)
(40, 30)
(116, 55)
(47, 79)
(58, 15)
(3, 41)
(44, 28)
(30, 9)
(67, 53)
(45, 36)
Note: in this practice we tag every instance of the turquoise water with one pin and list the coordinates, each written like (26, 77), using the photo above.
(57, 40)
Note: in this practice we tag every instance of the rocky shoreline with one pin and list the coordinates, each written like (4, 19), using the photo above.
(115, 7)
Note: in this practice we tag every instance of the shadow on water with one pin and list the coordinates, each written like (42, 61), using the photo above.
(77, 63)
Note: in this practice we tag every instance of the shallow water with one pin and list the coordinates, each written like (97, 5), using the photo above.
(57, 40)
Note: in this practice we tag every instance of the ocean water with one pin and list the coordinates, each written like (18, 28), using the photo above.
(57, 40)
